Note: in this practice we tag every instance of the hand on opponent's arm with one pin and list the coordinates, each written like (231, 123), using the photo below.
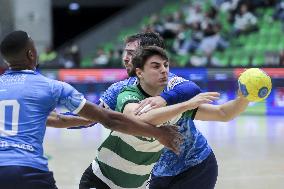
(149, 104)
(160, 115)
(179, 93)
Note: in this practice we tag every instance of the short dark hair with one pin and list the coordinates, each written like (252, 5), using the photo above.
(142, 54)
(14, 43)
(147, 39)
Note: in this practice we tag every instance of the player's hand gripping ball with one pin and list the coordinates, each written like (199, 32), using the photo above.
(255, 84)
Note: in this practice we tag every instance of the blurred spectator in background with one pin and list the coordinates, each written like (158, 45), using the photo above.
(101, 60)
(70, 57)
(75, 55)
(279, 13)
(115, 59)
(188, 40)
(198, 29)
(66, 60)
(182, 40)
(193, 14)
(47, 57)
(212, 39)
(172, 25)
(244, 21)
(226, 5)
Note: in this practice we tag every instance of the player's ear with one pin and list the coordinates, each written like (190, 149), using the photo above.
(138, 73)
(30, 55)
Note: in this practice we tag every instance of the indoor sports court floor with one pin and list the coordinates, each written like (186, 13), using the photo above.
(249, 150)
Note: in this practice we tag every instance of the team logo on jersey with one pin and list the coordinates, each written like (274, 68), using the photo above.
(175, 81)
(129, 97)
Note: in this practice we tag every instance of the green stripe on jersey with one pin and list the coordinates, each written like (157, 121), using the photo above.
(122, 179)
(124, 150)
(126, 161)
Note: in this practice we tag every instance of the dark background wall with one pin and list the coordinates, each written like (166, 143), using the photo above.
(67, 24)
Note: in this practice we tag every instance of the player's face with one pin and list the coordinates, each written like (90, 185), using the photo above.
(129, 49)
(155, 72)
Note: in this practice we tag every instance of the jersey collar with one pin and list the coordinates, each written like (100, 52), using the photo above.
(142, 91)
(20, 71)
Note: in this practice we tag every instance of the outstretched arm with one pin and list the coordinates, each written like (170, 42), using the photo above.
(164, 114)
(223, 112)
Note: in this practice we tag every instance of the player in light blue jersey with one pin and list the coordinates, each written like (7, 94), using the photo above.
(26, 100)
(195, 167)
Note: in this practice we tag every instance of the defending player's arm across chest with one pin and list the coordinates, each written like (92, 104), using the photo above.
(127, 103)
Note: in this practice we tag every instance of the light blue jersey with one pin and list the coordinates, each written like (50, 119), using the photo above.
(194, 148)
(26, 100)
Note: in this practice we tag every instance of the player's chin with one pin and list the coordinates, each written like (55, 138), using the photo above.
(163, 83)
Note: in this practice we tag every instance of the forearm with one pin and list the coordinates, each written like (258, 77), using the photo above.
(161, 115)
(130, 126)
(118, 122)
(233, 108)
(64, 121)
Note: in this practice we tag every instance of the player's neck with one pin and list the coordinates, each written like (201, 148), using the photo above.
(152, 91)
(20, 65)
(19, 68)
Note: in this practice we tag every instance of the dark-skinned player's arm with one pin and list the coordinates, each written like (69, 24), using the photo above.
(181, 92)
(116, 121)
(66, 120)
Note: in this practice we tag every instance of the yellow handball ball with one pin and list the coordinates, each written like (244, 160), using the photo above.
(255, 84)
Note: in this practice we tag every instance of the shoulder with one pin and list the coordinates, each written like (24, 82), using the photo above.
(130, 91)
(174, 80)
(128, 95)
(57, 84)
(123, 83)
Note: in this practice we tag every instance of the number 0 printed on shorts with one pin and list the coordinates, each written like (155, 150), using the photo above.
(14, 117)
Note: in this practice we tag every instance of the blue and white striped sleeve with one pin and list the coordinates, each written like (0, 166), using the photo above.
(179, 90)
(109, 97)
